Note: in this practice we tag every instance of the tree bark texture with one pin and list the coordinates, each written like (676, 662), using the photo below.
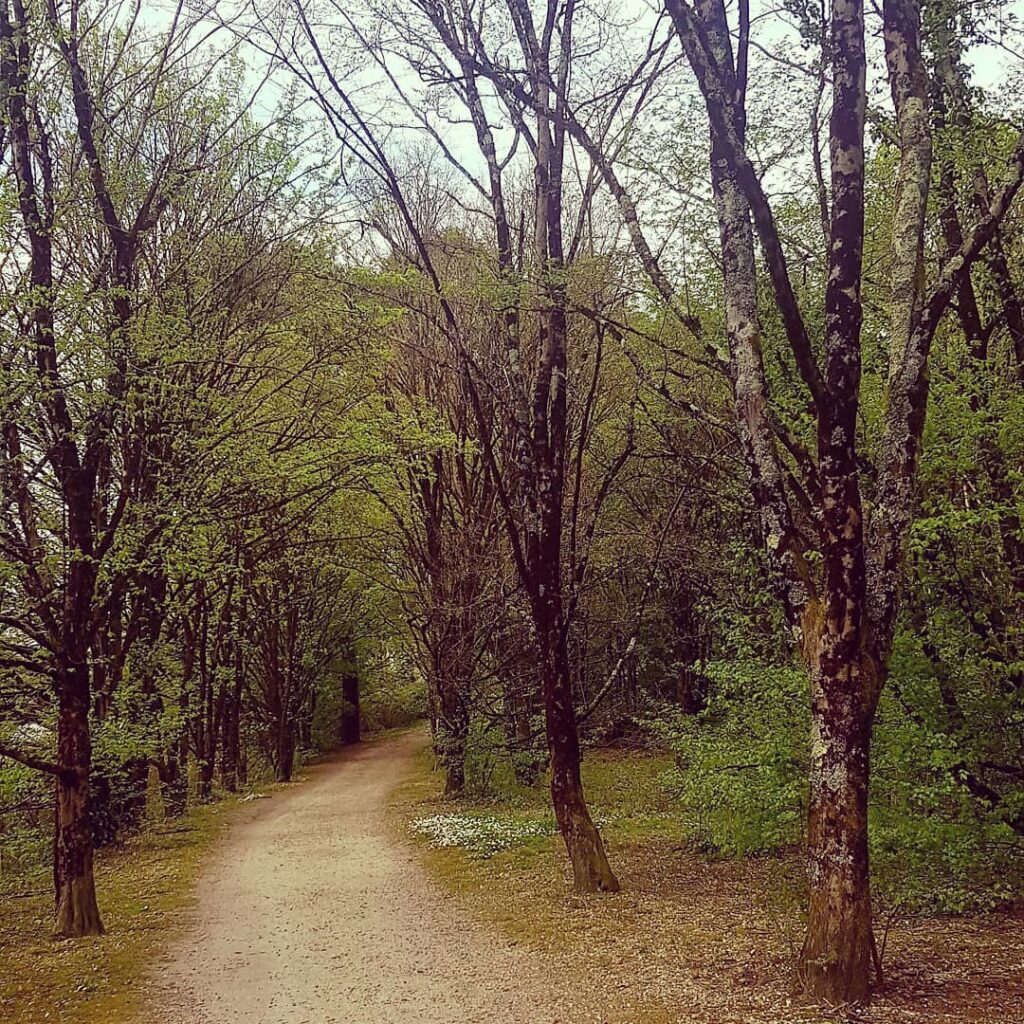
(77, 912)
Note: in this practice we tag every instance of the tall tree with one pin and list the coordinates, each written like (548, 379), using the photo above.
(533, 489)
(845, 616)
(152, 236)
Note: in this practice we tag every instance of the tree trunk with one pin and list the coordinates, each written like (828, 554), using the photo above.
(284, 761)
(455, 774)
(452, 732)
(836, 959)
(451, 752)
(229, 745)
(206, 718)
(691, 695)
(114, 809)
(305, 722)
(527, 762)
(204, 778)
(590, 867)
(231, 724)
(351, 722)
(77, 912)
(549, 441)
(173, 783)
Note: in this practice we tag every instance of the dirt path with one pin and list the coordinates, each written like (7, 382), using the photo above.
(311, 913)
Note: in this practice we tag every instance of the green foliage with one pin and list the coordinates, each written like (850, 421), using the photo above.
(934, 844)
(943, 862)
(741, 764)
(25, 814)
(393, 702)
(740, 779)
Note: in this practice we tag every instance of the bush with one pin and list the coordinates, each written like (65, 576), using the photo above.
(26, 824)
(394, 704)
(942, 863)
(741, 771)
(741, 765)
(935, 846)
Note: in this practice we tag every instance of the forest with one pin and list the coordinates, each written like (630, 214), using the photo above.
(574, 398)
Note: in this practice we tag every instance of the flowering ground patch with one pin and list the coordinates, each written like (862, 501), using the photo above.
(482, 835)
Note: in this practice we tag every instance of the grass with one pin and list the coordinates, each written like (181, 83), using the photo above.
(705, 941)
(524, 891)
(626, 792)
(142, 885)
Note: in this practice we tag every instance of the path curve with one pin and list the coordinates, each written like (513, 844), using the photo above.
(310, 912)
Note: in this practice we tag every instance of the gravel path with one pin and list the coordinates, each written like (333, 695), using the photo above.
(310, 913)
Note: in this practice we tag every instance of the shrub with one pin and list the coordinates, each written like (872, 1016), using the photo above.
(741, 764)
(393, 704)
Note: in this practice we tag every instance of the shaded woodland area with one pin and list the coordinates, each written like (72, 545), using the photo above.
(644, 374)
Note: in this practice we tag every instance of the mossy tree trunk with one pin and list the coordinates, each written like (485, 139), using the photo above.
(836, 959)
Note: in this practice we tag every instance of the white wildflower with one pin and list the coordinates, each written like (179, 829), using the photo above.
(480, 834)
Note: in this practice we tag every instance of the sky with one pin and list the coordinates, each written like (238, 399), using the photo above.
(780, 98)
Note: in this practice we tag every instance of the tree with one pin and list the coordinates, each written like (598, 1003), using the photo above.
(151, 253)
(74, 439)
(846, 618)
(533, 484)
(450, 540)
(809, 497)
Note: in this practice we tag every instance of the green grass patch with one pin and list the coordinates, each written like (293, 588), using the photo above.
(629, 794)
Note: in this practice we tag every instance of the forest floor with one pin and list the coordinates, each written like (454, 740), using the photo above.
(316, 906)
(691, 939)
